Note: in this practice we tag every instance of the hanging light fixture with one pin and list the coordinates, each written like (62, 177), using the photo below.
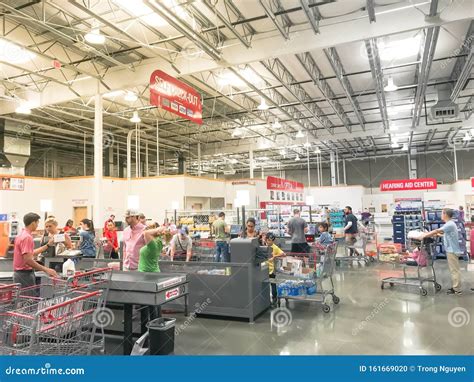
(395, 144)
(472, 132)
(467, 137)
(237, 132)
(135, 118)
(405, 147)
(307, 145)
(391, 87)
(23, 108)
(282, 152)
(276, 124)
(95, 37)
(130, 97)
(299, 134)
(317, 150)
(297, 158)
(263, 105)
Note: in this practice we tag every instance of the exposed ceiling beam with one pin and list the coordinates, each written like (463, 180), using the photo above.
(370, 6)
(463, 66)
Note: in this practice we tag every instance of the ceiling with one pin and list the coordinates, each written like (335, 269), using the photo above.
(320, 66)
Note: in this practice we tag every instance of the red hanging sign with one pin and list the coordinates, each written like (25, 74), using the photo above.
(409, 184)
(274, 183)
(472, 182)
(175, 96)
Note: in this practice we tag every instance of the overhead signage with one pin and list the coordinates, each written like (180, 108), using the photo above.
(472, 182)
(12, 183)
(409, 184)
(175, 96)
(274, 183)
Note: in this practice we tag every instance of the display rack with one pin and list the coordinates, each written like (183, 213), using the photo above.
(404, 221)
(336, 218)
(462, 235)
(433, 221)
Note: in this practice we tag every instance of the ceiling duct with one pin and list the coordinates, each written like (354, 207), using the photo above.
(445, 108)
(16, 145)
(3, 159)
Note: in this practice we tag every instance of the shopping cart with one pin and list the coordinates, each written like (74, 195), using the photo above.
(359, 247)
(304, 279)
(62, 325)
(8, 296)
(425, 261)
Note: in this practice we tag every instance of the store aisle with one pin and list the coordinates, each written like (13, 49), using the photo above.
(367, 321)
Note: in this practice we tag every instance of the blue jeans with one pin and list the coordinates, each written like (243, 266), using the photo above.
(222, 252)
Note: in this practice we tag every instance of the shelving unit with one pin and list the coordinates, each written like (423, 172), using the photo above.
(433, 221)
(404, 221)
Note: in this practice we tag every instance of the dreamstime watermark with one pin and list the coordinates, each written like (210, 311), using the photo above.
(281, 317)
(103, 317)
(377, 309)
(45, 370)
(199, 309)
(458, 317)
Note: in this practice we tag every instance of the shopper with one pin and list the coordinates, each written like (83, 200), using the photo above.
(350, 230)
(461, 214)
(297, 227)
(276, 252)
(251, 230)
(365, 217)
(69, 227)
(221, 230)
(451, 244)
(325, 237)
(150, 253)
(87, 235)
(112, 246)
(51, 229)
(133, 240)
(181, 245)
(24, 264)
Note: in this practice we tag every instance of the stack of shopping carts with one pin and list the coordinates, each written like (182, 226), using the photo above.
(57, 317)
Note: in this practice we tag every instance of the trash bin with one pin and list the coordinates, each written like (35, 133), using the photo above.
(161, 336)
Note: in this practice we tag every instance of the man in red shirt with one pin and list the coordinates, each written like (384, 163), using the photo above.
(24, 264)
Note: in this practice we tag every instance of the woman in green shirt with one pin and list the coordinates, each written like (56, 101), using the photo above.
(150, 253)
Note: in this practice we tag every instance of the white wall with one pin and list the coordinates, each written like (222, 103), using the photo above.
(340, 196)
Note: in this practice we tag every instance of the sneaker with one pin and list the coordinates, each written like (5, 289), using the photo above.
(455, 292)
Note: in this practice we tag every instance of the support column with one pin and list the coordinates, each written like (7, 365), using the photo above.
(333, 168)
(98, 159)
(147, 173)
(157, 149)
(455, 162)
(309, 170)
(251, 163)
(412, 165)
(199, 159)
(344, 171)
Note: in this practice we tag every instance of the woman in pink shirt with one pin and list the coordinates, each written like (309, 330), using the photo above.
(24, 264)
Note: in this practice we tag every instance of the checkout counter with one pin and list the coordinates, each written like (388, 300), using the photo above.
(237, 289)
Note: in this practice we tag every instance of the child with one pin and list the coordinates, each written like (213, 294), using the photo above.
(150, 253)
(325, 238)
(87, 235)
(276, 252)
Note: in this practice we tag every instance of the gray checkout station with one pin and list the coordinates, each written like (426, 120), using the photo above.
(237, 289)
(147, 290)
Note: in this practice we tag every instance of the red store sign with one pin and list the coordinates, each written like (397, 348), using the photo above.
(472, 182)
(274, 183)
(409, 184)
(175, 96)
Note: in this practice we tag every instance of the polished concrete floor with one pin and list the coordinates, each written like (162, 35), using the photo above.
(367, 320)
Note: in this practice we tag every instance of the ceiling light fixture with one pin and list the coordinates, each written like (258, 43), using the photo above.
(23, 108)
(391, 87)
(317, 150)
(95, 37)
(135, 118)
(307, 145)
(276, 124)
(405, 147)
(263, 105)
(396, 50)
(472, 132)
(297, 158)
(130, 97)
(467, 137)
(299, 134)
(282, 152)
(395, 144)
(14, 53)
(237, 132)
